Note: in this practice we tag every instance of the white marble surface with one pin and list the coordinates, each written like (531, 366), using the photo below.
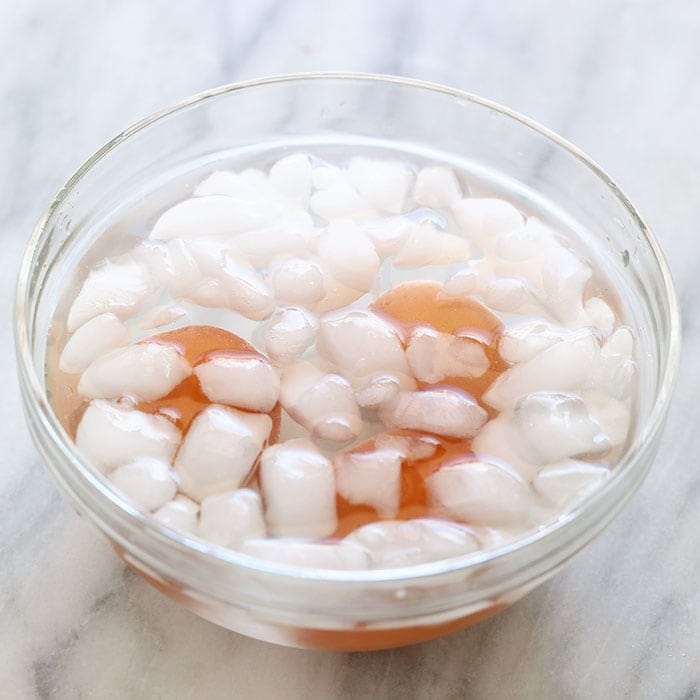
(618, 78)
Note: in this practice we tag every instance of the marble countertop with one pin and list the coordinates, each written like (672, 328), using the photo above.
(619, 79)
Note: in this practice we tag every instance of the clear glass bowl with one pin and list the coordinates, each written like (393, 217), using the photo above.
(335, 609)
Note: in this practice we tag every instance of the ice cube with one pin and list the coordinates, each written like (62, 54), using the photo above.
(569, 482)
(291, 236)
(371, 478)
(210, 294)
(298, 486)
(215, 275)
(184, 274)
(180, 514)
(153, 255)
(289, 333)
(600, 314)
(324, 177)
(161, 316)
(323, 403)
(337, 296)
(336, 197)
(219, 450)
(613, 415)
(147, 481)
(436, 187)
(501, 440)
(526, 242)
(287, 197)
(297, 281)
(380, 388)
(564, 367)
(110, 435)
(212, 215)
(94, 338)
(147, 371)
(349, 255)
(209, 253)
(533, 254)
(245, 381)
(384, 184)
(339, 202)
(249, 185)
(426, 245)
(247, 292)
(120, 287)
(615, 376)
(434, 356)
(523, 341)
(564, 277)
(621, 342)
(413, 448)
(482, 493)
(444, 411)
(291, 176)
(464, 282)
(359, 343)
(556, 426)
(491, 268)
(388, 234)
(306, 554)
(615, 371)
(396, 543)
(509, 294)
(483, 219)
(228, 519)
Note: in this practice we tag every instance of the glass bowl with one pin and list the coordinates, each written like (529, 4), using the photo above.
(338, 609)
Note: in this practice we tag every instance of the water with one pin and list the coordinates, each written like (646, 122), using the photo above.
(507, 488)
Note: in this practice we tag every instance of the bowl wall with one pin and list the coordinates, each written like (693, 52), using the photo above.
(502, 152)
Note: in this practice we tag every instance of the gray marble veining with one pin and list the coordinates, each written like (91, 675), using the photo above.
(619, 79)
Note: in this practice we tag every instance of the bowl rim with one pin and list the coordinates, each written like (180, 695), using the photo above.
(41, 407)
